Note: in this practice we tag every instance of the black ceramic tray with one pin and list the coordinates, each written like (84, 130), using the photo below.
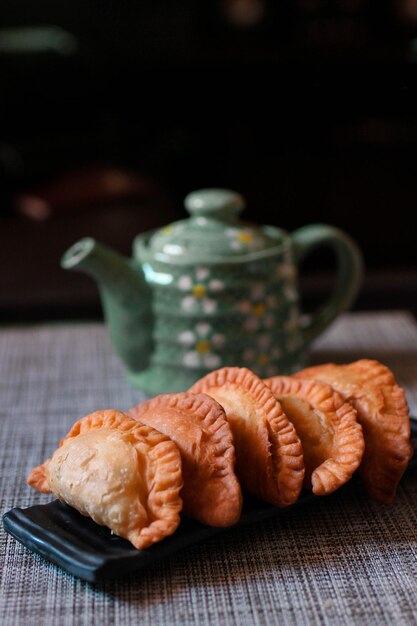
(77, 544)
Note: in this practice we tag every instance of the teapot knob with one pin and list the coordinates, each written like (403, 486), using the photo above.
(221, 204)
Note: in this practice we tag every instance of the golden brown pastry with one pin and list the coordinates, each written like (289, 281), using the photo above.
(331, 437)
(197, 424)
(123, 474)
(269, 459)
(383, 413)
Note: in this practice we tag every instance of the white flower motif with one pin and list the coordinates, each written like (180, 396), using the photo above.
(186, 338)
(201, 273)
(203, 329)
(199, 287)
(188, 303)
(216, 285)
(192, 359)
(201, 354)
(242, 239)
(209, 306)
(236, 245)
(185, 283)
(256, 312)
(212, 360)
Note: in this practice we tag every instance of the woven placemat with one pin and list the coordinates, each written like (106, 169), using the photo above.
(354, 562)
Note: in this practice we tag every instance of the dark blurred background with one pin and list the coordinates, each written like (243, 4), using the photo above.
(112, 111)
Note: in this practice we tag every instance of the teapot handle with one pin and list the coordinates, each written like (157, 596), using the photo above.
(350, 268)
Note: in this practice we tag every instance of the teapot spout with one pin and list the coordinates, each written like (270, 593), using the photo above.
(125, 297)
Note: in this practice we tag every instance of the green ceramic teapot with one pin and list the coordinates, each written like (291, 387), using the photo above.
(212, 290)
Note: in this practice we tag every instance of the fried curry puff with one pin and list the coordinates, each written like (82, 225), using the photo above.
(383, 413)
(198, 425)
(269, 459)
(123, 474)
(331, 437)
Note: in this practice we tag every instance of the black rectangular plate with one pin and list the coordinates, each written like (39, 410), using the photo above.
(83, 548)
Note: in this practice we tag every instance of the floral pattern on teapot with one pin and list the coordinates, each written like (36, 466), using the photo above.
(211, 291)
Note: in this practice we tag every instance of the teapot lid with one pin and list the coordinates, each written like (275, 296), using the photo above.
(213, 232)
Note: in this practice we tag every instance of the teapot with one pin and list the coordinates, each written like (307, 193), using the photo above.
(212, 291)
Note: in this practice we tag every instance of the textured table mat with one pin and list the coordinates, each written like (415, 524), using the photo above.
(354, 562)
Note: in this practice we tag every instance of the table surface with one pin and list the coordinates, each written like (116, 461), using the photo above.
(348, 561)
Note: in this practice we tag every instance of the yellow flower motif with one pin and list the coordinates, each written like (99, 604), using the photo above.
(199, 290)
(263, 359)
(259, 309)
(203, 346)
(245, 238)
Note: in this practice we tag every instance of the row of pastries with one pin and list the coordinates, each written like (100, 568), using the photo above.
(192, 453)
